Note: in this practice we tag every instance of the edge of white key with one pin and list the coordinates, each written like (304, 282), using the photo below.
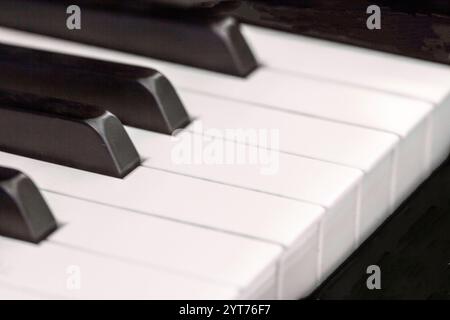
(169, 245)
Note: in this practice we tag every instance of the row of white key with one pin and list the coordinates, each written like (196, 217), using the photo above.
(409, 77)
(349, 64)
(370, 151)
(289, 223)
(245, 265)
(381, 156)
(406, 118)
(340, 195)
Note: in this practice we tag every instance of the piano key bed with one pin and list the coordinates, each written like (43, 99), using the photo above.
(352, 137)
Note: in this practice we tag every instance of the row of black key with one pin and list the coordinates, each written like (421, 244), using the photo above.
(140, 97)
(55, 95)
(62, 109)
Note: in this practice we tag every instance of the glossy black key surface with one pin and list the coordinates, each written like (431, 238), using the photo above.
(413, 28)
(139, 97)
(66, 133)
(24, 214)
(192, 37)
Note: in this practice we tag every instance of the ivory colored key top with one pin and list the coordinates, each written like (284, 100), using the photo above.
(168, 245)
(75, 274)
(293, 224)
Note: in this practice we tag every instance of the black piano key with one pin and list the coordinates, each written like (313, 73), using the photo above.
(66, 133)
(139, 97)
(182, 36)
(24, 214)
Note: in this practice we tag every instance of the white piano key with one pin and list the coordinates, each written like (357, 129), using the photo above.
(272, 172)
(192, 251)
(332, 186)
(371, 151)
(361, 67)
(293, 224)
(74, 274)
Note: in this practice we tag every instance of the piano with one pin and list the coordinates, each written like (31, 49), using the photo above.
(213, 149)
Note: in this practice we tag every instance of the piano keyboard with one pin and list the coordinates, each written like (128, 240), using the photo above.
(356, 132)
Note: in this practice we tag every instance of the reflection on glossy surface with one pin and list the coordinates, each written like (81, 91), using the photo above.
(419, 29)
